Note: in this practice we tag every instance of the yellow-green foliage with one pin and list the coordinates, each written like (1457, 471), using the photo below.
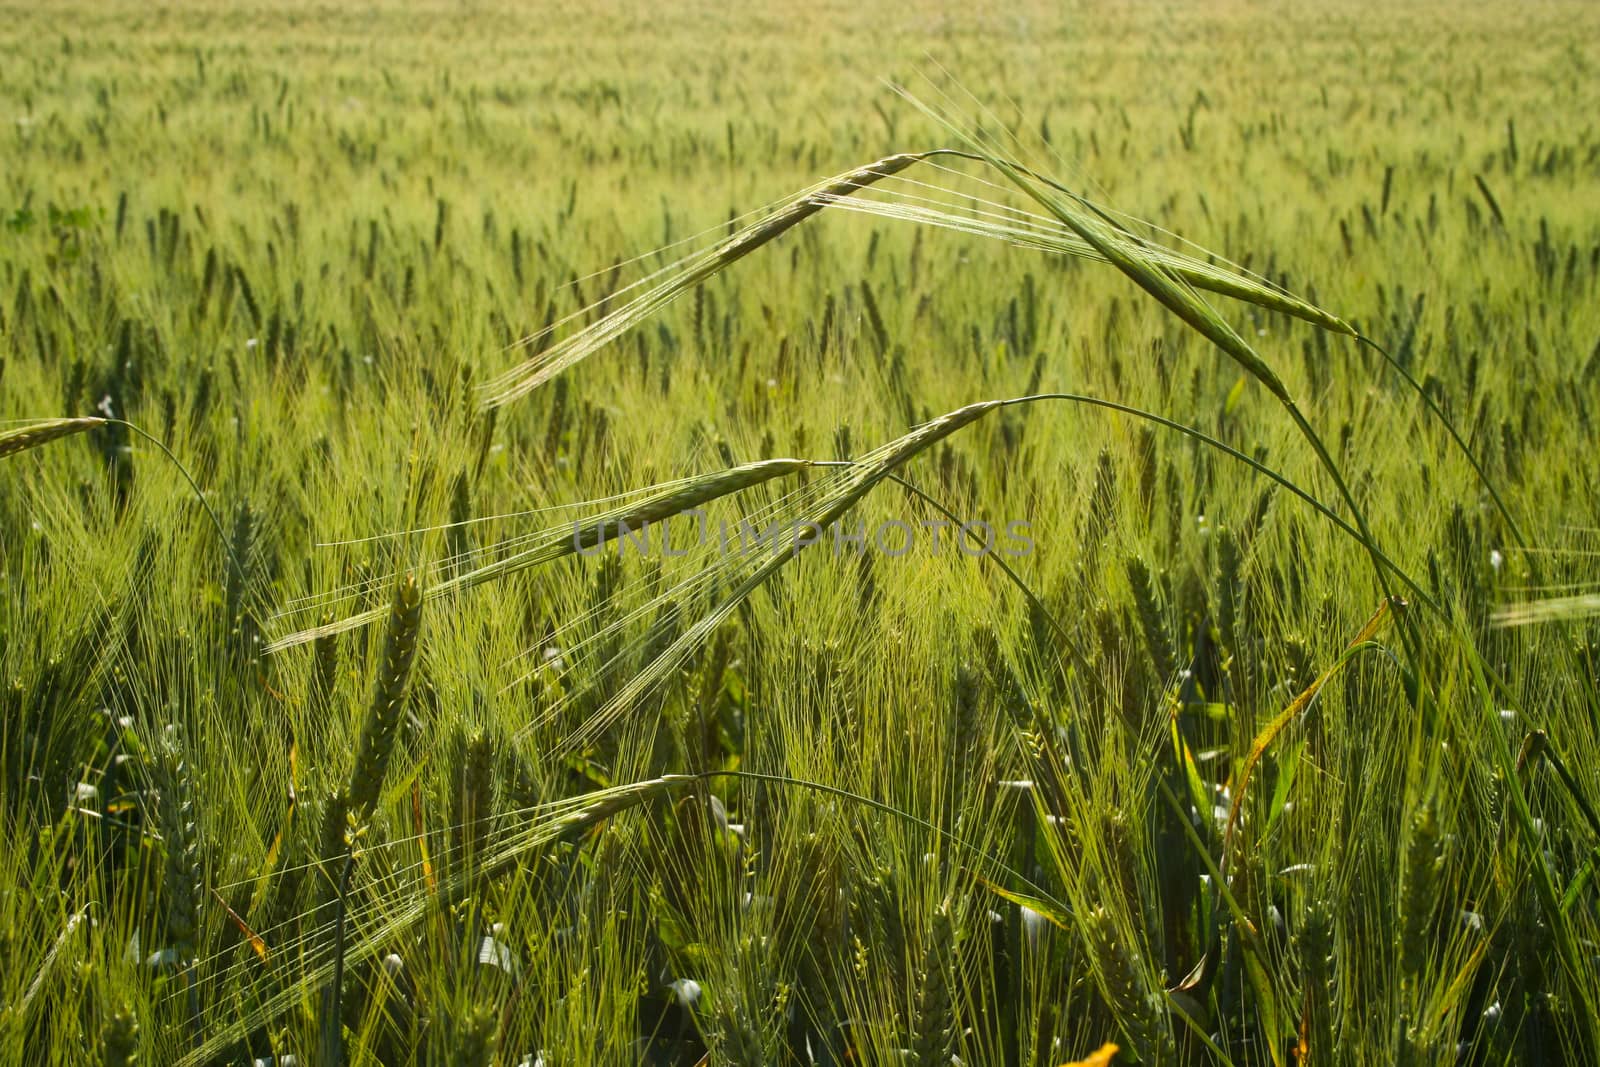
(351, 265)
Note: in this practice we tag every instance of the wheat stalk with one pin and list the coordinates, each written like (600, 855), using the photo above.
(1138, 1008)
(382, 725)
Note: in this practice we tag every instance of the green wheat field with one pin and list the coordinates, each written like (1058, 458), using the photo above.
(806, 533)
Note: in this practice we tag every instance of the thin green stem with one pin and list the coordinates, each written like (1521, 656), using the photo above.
(227, 548)
(1382, 560)
(1444, 420)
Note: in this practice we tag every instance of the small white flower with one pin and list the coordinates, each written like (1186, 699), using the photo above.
(251, 342)
(1496, 559)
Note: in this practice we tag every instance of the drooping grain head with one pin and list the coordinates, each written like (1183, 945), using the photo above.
(41, 433)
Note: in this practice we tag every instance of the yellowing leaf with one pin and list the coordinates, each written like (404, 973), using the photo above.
(1101, 1057)
(1051, 912)
(1234, 395)
(255, 940)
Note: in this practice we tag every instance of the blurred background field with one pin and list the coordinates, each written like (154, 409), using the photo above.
(291, 242)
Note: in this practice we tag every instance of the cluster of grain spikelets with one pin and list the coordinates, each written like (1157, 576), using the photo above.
(844, 493)
(1080, 229)
(402, 895)
(1167, 275)
(804, 519)
(1064, 236)
(1554, 580)
(43, 432)
(402, 899)
(654, 505)
(1550, 609)
(1045, 233)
